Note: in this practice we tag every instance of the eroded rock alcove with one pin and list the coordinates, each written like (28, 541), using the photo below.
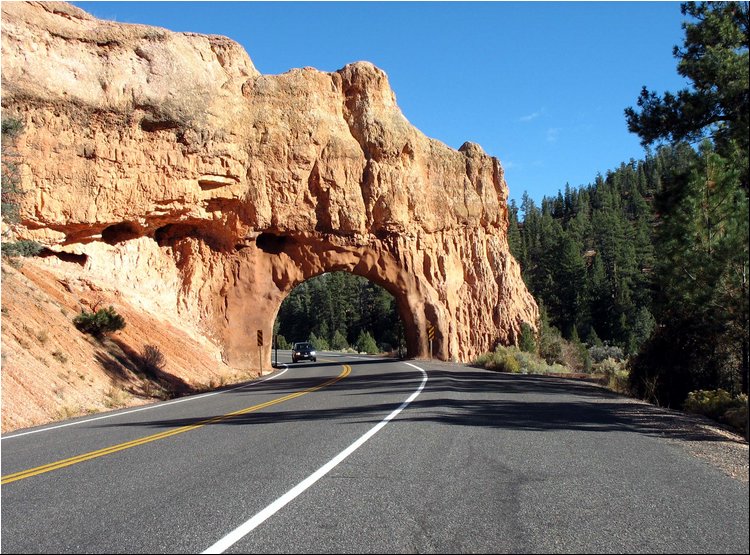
(187, 180)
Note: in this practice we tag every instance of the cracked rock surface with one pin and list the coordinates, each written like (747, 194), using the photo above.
(178, 171)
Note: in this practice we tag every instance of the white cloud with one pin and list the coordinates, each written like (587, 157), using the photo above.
(531, 116)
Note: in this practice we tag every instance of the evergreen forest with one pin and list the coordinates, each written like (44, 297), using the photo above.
(339, 311)
(653, 256)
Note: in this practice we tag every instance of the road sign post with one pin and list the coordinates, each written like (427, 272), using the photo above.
(431, 336)
(260, 351)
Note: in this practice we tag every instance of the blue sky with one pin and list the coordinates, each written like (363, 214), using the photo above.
(540, 85)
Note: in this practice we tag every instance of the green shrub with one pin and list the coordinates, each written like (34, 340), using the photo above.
(99, 323)
(366, 343)
(528, 339)
(513, 360)
(620, 381)
(502, 359)
(719, 405)
(529, 363)
(551, 345)
(282, 343)
(508, 363)
(339, 342)
(482, 359)
(713, 403)
(737, 417)
(616, 375)
(11, 127)
(22, 248)
(319, 343)
(609, 367)
(533, 364)
(602, 352)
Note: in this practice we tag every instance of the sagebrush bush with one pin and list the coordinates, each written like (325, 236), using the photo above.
(152, 360)
(513, 360)
(609, 367)
(710, 402)
(99, 323)
(720, 405)
(600, 353)
(505, 361)
(620, 382)
(551, 346)
(529, 363)
(502, 359)
(737, 416)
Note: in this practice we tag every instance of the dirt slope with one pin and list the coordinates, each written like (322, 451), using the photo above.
(50, 370)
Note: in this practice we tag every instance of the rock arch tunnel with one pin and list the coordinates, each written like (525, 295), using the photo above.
(178, 171)
(424, 291)
(293, 260)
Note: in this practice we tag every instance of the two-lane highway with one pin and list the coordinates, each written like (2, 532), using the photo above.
(170, 477)
(358, 454)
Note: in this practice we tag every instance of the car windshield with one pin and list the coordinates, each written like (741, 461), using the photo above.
(303, 347)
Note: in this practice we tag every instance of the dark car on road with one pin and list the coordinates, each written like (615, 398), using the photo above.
(303, 351)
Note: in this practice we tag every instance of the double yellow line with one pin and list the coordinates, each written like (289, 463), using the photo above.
(162, 435)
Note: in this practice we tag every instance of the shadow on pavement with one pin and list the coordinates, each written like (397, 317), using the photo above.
(464, 396)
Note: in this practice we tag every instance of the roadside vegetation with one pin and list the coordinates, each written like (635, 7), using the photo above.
(651, 259)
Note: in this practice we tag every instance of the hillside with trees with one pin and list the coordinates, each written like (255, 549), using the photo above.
(653, 256)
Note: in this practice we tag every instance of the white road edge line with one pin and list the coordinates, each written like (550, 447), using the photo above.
(112, 415)
(244, 529)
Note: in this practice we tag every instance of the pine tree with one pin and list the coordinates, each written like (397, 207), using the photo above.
(702, 269)
(701, 244)
(714, 58)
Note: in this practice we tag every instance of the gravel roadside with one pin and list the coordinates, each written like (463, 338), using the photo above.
(701, 437)
(697, 434)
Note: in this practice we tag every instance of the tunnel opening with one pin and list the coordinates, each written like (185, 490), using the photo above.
(340, 311)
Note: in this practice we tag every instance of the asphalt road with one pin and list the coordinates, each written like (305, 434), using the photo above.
(361, 455)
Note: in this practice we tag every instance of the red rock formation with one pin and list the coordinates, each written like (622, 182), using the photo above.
(207, 191)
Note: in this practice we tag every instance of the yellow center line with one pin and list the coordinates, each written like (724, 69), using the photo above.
(162, 435)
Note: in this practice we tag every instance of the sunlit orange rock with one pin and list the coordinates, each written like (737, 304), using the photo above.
(207, 191)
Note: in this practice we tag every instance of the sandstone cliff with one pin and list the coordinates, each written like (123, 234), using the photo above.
(204, 191)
